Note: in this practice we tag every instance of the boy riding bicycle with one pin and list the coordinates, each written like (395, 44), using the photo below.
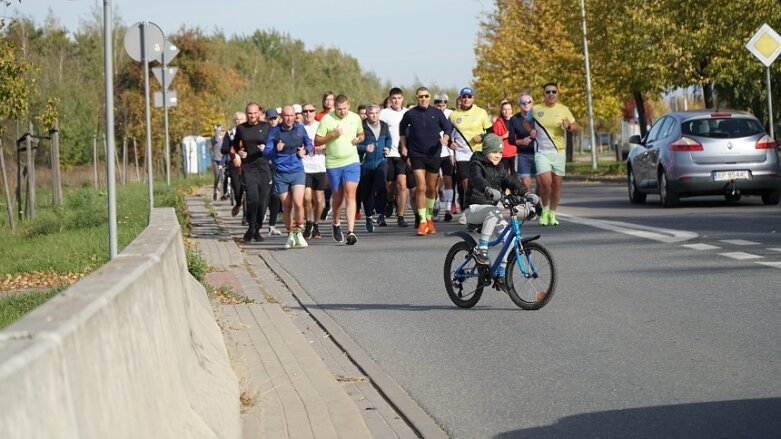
(488, 181)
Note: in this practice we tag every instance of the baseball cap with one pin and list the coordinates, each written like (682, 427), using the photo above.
(466, 91)
(492, 143)
(296, 108)
(271, 113)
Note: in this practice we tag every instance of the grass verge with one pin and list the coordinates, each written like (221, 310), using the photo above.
(66, 243)
(14, 306)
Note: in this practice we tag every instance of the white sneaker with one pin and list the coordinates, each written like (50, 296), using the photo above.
(462, 219)
(272, 230)
(299, 238)
(291, 240)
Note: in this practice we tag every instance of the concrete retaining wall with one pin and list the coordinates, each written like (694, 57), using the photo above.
(131, 351)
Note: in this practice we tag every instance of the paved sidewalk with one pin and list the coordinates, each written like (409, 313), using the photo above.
(296, 383)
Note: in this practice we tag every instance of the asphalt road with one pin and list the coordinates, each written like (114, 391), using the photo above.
(664, 324)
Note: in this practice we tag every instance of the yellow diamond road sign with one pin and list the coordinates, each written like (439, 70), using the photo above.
(765, 45)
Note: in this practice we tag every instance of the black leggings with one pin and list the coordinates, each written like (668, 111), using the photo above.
(372, 190)
(274, 207)
(236, 184)
(258, 187)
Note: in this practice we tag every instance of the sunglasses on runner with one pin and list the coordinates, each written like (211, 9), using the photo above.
(551, 92)
(423, 96)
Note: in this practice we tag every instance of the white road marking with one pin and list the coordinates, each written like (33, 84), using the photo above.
(739, 242)
(701, 246)
(770, 264)
(740, 255)
(653, 233)
(670, 236)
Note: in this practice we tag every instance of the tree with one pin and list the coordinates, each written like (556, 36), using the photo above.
(523, 45)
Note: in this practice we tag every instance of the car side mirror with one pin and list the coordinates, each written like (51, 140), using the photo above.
(636, 139)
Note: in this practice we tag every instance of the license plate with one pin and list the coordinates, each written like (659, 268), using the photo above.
(731, 175)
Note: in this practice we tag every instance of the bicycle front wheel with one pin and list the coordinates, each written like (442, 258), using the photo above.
(531, 281)
(463, 276)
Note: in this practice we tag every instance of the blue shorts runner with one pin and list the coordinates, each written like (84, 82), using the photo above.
(284, 180)
(343, 174)
(526, 165)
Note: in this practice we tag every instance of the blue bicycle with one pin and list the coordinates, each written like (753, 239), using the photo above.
(530, 276)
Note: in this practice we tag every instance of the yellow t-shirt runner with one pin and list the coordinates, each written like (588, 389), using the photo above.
(470, 123)
(341, 151)
(550, 133)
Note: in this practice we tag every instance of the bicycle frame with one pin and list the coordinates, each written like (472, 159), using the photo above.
(509, 242)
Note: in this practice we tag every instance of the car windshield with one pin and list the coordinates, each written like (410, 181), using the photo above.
(722, 128)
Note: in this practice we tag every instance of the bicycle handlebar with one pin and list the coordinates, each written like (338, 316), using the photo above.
(522, 206)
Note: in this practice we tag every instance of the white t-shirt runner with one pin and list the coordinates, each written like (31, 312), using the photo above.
(393, 119)
(314, 162)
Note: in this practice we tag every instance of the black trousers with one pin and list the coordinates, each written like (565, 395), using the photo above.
(236, 184)
(372, 190)
(258, 187)
(274, 207)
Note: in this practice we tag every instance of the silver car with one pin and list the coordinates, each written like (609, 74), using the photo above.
(704, 153)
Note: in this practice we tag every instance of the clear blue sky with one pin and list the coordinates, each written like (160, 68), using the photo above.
(399, 40)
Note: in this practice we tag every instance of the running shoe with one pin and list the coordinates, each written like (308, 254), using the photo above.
(435, 212)
(351, 238)
(248, 236)
(545, 217)
(236, 209)
(402, 222)
(552, 219)
(389, 209)
(423, 228)
(448, 217)
(480, 255)
(453, 208)
(299, 238)
(462, 219)
(500, 284)
(308, 230)
(326, 210)
(315, 231)
(291, 240)
(337, 233)
(369, 224)
(431, 228)
(381, 221)
(272, 230)
(358, 215)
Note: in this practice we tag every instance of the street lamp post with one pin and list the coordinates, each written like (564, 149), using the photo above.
(592, 136)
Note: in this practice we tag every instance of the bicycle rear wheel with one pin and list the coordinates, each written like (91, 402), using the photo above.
(463, 276)
(531, 281)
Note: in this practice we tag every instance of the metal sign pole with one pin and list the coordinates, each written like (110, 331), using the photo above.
(108, 68)
(165, 119)
(769, 105)
(145, 60)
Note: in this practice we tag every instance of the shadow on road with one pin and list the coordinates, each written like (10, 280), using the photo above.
(405, 307)
(752, 418)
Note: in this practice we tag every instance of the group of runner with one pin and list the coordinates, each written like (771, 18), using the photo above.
(383, 156)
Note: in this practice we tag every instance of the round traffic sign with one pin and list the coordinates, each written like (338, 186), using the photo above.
(155, 40)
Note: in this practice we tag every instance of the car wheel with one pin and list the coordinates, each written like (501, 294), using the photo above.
(635, 196)
(732, 196)
(771, 198)
(667, 196)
